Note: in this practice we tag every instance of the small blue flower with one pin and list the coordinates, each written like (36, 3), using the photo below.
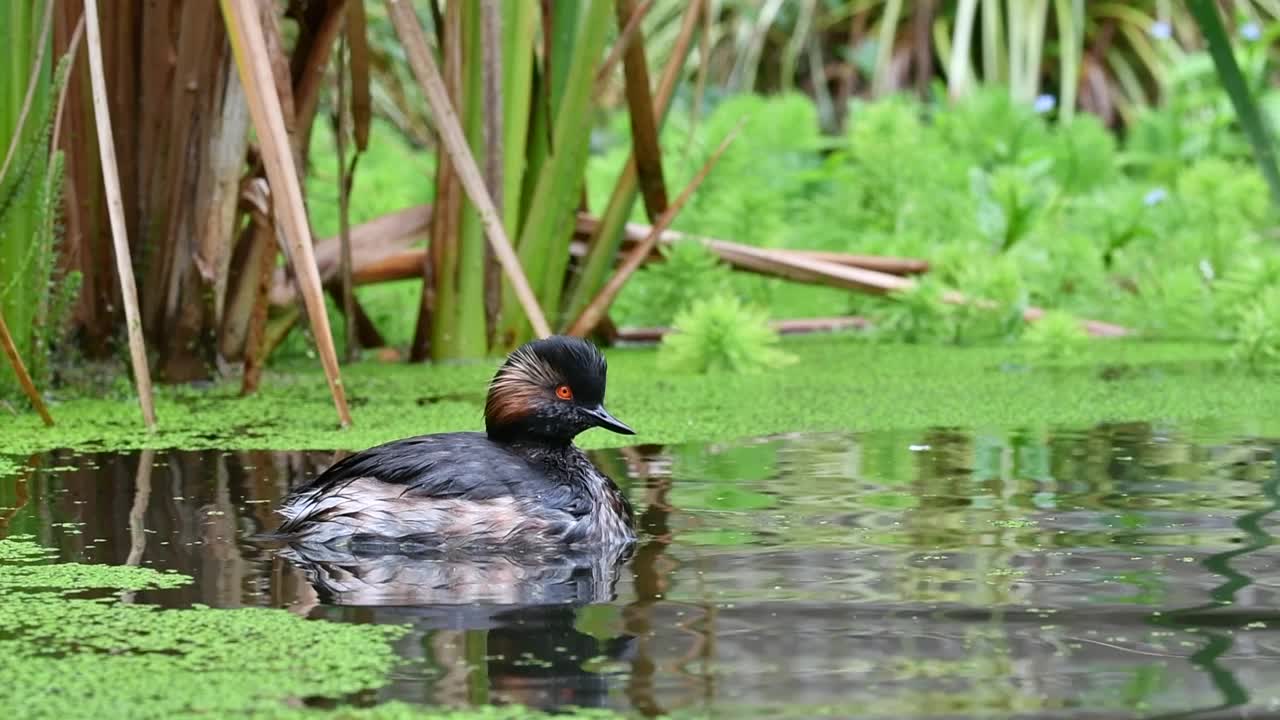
(1250, 31)
(1161, 30)
(1155, 196)
(1045, 103)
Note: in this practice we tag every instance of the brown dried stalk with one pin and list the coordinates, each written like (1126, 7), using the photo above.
(644, 122)
(115, 209)
(807, 267)
(24, 378)
(310, 58)
(252, 59)
(264, 239)
(361, 97)
(439, 265)
(344, 207)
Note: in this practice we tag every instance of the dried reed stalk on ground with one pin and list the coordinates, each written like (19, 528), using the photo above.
(877, 276)
(798, 326)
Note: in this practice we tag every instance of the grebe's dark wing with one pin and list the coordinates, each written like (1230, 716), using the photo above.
(465, 465)
(462, 467)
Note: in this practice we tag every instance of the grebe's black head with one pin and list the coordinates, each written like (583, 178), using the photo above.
(549, 390)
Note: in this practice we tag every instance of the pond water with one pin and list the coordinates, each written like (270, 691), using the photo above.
(1117, 571)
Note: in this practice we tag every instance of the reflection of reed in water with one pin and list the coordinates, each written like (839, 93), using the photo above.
(1211, 624)
(653, 571)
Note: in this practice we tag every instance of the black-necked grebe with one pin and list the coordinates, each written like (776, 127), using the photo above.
(520, 484)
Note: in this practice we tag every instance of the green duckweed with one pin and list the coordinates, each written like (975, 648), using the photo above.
(70, 656)
(838, 383)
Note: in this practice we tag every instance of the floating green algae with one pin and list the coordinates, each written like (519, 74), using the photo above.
(839, 383)
(76, 576)
(405, 711)
(76, 657)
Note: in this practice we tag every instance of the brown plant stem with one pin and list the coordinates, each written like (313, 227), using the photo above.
(644, 121)
(263, 236)
(358, 68)
(253, 61)
(115, 209)
(344, 207)
(24, 378)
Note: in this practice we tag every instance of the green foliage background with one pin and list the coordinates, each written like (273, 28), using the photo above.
(1005, 204)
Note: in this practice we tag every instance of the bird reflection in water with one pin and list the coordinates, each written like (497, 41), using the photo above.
(502, 628)
(576, 577)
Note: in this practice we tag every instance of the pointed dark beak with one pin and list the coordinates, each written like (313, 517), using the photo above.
(608, 422)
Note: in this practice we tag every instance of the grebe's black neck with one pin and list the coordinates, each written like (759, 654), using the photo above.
(520, 437)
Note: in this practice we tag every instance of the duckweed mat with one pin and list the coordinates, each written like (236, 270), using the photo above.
(840, 383)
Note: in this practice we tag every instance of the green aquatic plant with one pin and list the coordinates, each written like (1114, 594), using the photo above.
(1179, 301)
(895, 386)
(36, 294)
(1009, 200)
(99, 657)
(1257, 335)
(9, 466)
(1056, 336)
(1237, 291)
(918, 315)
(1023, 212)
(397, 710)
(1084, 154)
(721, 334)
(74, 577)
(1248, 113)
(688, 272)
(996, 295)
(991, 129)
(22, 549)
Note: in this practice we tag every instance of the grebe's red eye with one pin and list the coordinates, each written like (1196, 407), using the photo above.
(564, 392)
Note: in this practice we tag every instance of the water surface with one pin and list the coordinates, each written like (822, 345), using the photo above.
(1117, 571)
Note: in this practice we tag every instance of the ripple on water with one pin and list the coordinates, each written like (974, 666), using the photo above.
(1122, 570)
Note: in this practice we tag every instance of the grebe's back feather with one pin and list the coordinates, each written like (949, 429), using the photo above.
(440, 489)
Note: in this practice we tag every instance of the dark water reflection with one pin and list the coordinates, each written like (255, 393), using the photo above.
(1122, 571)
